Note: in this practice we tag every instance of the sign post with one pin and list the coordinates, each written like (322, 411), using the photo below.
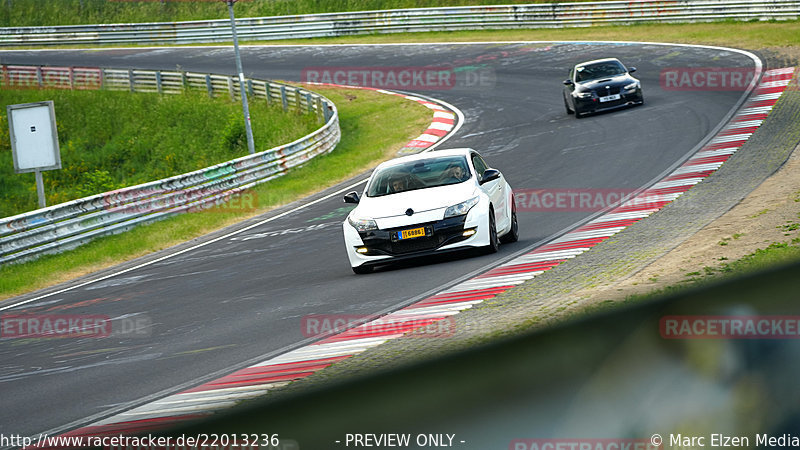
(34, 141)
(242, 89)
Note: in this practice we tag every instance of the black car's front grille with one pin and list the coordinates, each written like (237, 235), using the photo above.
(602, 92)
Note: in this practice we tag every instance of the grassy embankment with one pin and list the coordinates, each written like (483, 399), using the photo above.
(751, 35)
(772, 255)
(112, 139)
(374, 126)
(73, 12)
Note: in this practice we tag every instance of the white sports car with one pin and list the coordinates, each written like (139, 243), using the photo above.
(429, 203)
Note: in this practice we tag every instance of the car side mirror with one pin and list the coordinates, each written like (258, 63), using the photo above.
(568, 83)
(490, 175)
(351, 197)
(631, 69)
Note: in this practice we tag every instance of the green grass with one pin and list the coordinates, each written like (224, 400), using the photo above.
(739, 34)
(16, 13)
(762, 259)
(772, 256)
(742, 34)
(374, 126)
(110, 140)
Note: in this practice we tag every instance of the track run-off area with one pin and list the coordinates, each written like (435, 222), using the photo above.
(245, 298)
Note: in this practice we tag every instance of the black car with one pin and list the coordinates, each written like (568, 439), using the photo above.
(600, 85)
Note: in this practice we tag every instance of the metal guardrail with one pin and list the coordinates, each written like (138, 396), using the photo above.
(539, 15)
(68, 225)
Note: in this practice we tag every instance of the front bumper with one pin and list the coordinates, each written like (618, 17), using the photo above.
(381, 246)
(437, 235)
(593, 104)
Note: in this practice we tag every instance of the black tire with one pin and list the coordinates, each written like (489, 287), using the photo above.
(566, 106)
(513, 233)
(362, 270)
(494, 242)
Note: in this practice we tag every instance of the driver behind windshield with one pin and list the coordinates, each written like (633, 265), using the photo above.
(454, 173)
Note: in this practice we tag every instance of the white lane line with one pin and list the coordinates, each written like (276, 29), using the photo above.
(580, 235)
(730, 138)
(625, 215)
(677, 183)
(697, 168)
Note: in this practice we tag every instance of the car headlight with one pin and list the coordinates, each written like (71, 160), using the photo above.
(461, 208)
(632, 86)
(362, 225)
(587, 94)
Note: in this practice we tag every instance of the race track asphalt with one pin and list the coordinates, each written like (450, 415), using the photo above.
(243, 297)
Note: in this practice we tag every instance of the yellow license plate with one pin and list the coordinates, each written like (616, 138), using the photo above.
(413, 233)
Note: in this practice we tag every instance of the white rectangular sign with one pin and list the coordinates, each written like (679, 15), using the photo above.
(34, 138)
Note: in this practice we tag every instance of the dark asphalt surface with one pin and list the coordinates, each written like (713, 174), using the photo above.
(243, 297)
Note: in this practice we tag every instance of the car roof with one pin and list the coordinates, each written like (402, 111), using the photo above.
(585, 63)
(427, 155)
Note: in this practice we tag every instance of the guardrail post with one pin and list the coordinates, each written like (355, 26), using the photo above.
(71, 76)
(328, 112)
(131, 80)
(184, 82)
(39, 77)
(158, 82)
(309, 105)
(209, 86)
(102, 78)
(320, 112)
(250, 88)
(230, 88)
(284, 100)
(267, 92)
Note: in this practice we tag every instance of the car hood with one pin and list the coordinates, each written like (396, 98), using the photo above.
(419, 200)
(619, 80)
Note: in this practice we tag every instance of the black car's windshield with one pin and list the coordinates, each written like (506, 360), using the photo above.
(599, 70)
(419, 175)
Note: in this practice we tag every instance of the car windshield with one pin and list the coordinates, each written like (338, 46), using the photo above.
(419, 174)
(598, 70)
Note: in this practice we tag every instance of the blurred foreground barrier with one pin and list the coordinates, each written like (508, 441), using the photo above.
(617, 380)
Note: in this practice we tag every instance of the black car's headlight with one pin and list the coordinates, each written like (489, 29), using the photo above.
(632, 87)
(461, 208)
(583, 94)
(362, 225)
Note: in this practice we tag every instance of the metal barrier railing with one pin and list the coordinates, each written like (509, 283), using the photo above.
(74, 223)
(539, 15)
